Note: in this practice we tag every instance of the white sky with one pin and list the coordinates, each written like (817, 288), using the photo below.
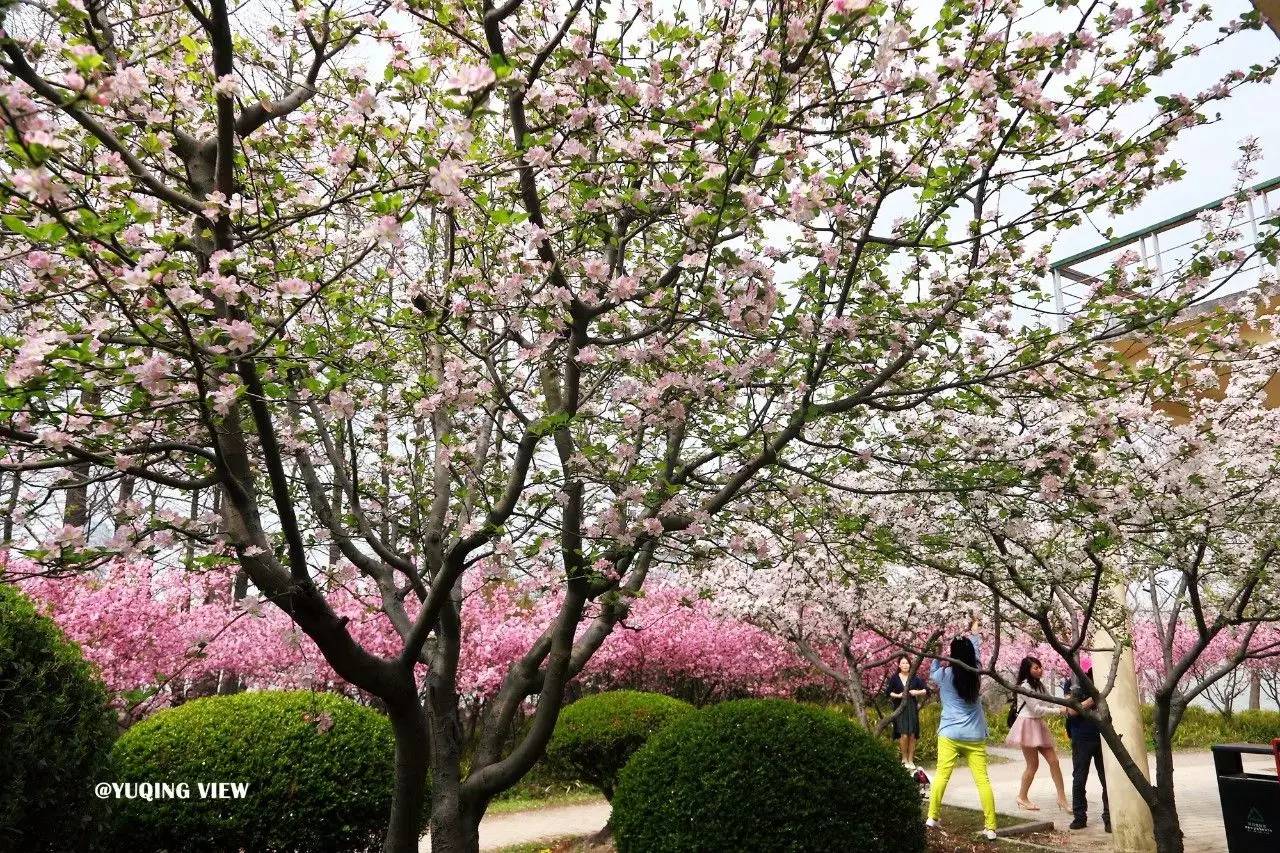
(1207, 152)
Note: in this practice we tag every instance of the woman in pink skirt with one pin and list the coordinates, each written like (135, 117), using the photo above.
(1030, 732)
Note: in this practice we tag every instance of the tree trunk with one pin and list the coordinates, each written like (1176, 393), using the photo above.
(15, 486)
(120, 518)
(1255, 690)
(1164, 817)
(335, 553)
(1164, 812)
(76, 509)
(408, 723)
(459, 835)
(853, 687)
(75, 512)
(455, 821)
(193, 513)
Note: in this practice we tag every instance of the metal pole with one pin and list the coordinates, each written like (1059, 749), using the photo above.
(1057, 300)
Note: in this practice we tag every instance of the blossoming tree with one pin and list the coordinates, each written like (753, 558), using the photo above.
(1168, 493)
(560, 287)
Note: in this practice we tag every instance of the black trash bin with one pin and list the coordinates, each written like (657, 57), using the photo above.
(1250, 801)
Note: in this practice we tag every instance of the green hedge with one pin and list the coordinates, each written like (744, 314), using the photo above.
(598, 734)
(766, 774)
(1256, 726)
(1201, 728)
(56, 730)
(319, 770)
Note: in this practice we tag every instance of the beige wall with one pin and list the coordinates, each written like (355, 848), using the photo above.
(1270, 10)
(1134, 351)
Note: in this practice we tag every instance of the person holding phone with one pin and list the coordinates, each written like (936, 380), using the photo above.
(962, 729)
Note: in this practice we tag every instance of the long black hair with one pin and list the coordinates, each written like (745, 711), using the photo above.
(965, 677)
(1024, 673)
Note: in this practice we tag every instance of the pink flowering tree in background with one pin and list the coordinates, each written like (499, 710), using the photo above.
(1158, 642)
(161, 635)
(676, 643)
(559, 292)
(1016, 644)
(1264, 670)
(1168, 492)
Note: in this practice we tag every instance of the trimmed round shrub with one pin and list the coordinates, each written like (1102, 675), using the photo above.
(56, 729)
(318, 771)
(598, 734)
(766, 774)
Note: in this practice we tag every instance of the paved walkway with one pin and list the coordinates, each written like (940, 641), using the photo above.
(1193, 778)
(1194, 781)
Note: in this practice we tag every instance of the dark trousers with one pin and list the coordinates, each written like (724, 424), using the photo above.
(1084, 751)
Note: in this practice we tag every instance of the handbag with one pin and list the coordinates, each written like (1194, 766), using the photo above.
(1013, 711)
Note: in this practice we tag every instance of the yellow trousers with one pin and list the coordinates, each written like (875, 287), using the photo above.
(975, 753)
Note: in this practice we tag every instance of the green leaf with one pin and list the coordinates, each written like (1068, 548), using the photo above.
(17, 226)
(191, 48)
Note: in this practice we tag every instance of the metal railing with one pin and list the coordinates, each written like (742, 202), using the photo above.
(1162, 250)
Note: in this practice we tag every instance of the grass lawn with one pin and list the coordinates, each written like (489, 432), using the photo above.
(536, 847)
(960, 828)
(560, 845)
(543, 801)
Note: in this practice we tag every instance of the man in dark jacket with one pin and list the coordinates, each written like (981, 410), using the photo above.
(1086, 747)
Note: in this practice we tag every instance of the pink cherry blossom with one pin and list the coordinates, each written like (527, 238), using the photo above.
(154, 373)
(240, 333)
(227, 85)
(471, 78)
(447, 178)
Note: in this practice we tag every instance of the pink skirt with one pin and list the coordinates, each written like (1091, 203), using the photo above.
(1029, 732)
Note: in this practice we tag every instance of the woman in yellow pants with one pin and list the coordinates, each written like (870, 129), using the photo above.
(962, 730)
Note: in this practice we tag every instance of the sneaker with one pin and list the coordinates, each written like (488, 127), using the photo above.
(930, 824)
(1079, 823)
(989, 835)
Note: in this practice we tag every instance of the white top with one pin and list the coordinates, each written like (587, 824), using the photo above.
(1037, 709)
